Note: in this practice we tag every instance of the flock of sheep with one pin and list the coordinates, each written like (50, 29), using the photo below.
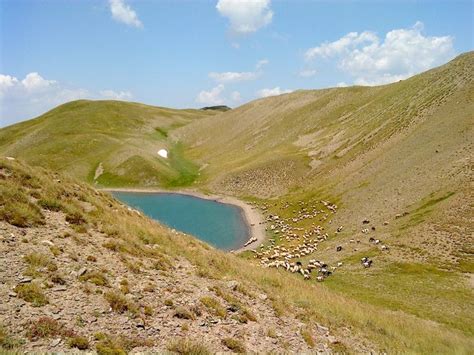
(302, 242)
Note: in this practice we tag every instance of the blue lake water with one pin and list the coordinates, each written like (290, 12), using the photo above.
(221, 225)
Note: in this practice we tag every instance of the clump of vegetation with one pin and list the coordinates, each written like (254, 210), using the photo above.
(78, 342)
(124, 286)
(119, 303)
(32, 293)
(183, 313)
(91, 258)
(214, 306)
(46, 327)
(188, 347)
(95, 277)
(75, 217)
(234, 344)
(148, 311)
(308, 337)
(57, 279)
(108, 344)
(50, 204)
(169, 302)
(17, 209)
(7, 341)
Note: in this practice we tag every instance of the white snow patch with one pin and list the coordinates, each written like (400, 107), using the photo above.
(163, 153)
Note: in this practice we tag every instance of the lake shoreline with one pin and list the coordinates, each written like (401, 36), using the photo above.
(254, 220)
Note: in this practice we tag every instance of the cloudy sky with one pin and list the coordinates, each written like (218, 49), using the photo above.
(195, 53)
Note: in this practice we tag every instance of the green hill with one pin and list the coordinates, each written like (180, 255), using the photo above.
(109, 143)
(395, 159)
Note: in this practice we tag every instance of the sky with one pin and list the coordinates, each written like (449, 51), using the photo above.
(195, 53)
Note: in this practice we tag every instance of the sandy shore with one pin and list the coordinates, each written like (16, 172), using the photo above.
(253, 218)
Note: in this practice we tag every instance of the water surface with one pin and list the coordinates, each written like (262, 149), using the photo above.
(221, 225)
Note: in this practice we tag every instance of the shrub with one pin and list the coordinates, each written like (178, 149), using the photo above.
(32, 293)
(74, 216)
(169, 303)
(120, 303)
(57, 279)
(188, 347)
(17, 209)
(183, 313)
(234, 344)
(45, 327)
(308, 337)
(78, 342)
(109, 345)
(214, 306)
(50, 204)
(8, 342)
(95, 277)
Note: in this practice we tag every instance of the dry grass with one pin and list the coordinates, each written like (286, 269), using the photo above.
(235, 345)
(387, 330)
(185, 346)
(32, 293)
(119, 303)
(213, 305)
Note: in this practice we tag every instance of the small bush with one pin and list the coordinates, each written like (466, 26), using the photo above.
(45, 327)
(95, 277)
(8, 342)
(120, 303)
(188, 347)
(169, 303)
(234, 344)
(78, 342)
(308, 337)
(183, 313)
(109, 345)
(148, 310)
(92, 258)
(50, 204)
(75, 217)
(214, 306)
(57, 279)
(32, 293)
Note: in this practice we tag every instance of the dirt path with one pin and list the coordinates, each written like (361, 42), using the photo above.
(254, 220)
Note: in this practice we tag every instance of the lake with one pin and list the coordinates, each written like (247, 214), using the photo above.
(219, 224)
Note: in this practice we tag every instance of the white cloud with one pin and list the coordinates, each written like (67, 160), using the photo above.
(307, 73)
(116, 95)
(402, 53)
(261, 63)
(27, 98)
(235, 96)
(211, 97)
(273, 92)
(246, 16)
(342, 85)
(232, 77)
(349, 41)
(122, 12)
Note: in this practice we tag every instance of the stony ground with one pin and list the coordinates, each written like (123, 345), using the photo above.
(156, 303)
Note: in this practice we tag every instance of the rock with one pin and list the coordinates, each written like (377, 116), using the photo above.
(47, 242)
(232, 285)
(25, 280)
(11, 294)
(55, 342)
(81, 271)
(332, 339)
(60, 289)
(263, 297)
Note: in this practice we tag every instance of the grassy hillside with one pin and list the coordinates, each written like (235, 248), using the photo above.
(80, 270)
(109, 143)
(395, 159)
(399, 156)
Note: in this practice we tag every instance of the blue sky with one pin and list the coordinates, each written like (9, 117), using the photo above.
(195, 53)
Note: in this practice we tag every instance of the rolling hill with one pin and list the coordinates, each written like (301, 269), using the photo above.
(109, 143)
(394, 162)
